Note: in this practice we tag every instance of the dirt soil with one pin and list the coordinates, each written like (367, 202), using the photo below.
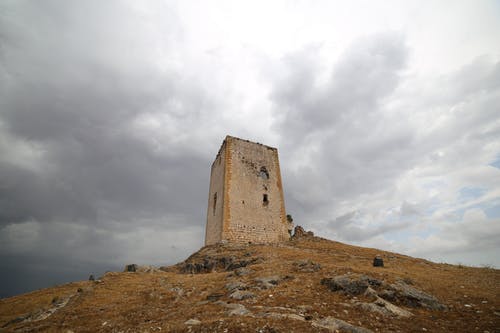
(264, 288)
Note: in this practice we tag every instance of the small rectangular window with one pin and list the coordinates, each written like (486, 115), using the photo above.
(265, 200)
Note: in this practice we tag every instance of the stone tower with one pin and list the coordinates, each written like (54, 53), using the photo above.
(245, 201)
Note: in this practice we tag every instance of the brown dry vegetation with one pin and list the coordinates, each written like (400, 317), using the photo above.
(162, 301)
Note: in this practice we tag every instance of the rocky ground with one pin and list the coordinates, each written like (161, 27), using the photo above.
(306, 285)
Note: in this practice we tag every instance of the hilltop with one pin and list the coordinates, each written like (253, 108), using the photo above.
(307, 284)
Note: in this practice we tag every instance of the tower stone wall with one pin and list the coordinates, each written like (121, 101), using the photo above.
(245, 202)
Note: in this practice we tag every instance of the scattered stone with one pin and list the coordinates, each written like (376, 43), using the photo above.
(335, 325)
(237, 285)
(178, 290)
(131, 268)
(268, 282)
(378, 261)
(214, 296)
(192, 321)
(242, 294)
(278, 315)
(235, 309)
(306, 266)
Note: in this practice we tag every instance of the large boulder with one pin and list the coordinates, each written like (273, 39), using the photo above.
(402, 293)
(350, 284)
(399, 292)
(131, 268)
(378, 261)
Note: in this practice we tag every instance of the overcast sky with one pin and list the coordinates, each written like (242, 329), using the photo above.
(386, 115)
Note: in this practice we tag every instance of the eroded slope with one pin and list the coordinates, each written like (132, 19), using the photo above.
(305, 285)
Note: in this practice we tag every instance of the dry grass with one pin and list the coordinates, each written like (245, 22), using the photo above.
(163, 301)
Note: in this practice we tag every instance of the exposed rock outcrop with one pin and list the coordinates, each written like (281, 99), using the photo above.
(384, 308)
(299, 232)
(210, 264)
(404, 294)
(350, 284)
(399, 292)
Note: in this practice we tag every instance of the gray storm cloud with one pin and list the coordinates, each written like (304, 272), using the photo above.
(75, 108)
(326, 116)
(73, 103)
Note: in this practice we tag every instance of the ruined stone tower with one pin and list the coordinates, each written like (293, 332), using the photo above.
(245, 202)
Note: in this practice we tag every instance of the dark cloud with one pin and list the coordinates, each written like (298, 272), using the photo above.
(77, 105)
(30, 272)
